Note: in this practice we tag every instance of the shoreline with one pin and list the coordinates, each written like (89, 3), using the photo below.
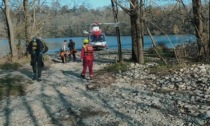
(55, 43)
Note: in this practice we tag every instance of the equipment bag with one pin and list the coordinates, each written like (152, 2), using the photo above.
(38, 46)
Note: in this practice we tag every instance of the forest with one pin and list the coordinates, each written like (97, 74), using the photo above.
(63, 21)
(24, 19)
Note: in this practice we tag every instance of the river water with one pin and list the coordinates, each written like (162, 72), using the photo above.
(54, 44)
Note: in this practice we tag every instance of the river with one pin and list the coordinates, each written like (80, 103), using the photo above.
(55, 43)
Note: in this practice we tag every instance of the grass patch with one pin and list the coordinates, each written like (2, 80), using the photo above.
(159, 69)
(164, 91)
(45, 57)
(165, 69)
(105, 77)
(13, 86)
(162, 49)
(148, 59)
(6, 64)
(87, 112)
(10, 66)
(115, 67)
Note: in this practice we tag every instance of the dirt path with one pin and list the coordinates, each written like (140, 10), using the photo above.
(63, 98)
(59, 99)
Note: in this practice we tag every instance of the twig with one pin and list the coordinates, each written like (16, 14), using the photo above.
(154, 47)
(177, 59)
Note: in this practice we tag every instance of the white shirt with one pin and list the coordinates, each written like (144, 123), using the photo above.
(63, 47)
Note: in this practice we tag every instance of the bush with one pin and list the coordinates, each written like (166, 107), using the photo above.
(187, 50)
(10, 66)
(115, 67)
(162, 49)
(159, 68)
(166, 69)
(13, 86)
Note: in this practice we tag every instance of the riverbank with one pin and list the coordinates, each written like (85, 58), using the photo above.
(54, 44)
(138, 96)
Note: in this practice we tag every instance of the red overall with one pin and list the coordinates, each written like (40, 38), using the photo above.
(87, 57)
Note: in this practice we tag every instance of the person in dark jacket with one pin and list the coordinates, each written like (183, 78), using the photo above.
(72, 49)
(36, 49)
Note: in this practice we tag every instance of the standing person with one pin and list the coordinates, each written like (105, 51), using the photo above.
(63, 51)
(36, 49)
(87, 57)
(72, 49)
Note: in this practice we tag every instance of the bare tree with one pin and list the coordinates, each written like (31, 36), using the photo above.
(115, 12)
(199, 22)
(136, 12)
(141, 33)
(9, 26)
(199, 29)
(27, 20)
(33, 26)
(155, 47)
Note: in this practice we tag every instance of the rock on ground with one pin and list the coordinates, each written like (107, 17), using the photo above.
(132, 98)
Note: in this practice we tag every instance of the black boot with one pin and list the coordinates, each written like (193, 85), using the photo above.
(39, 79)
(83, 76)
(34, 76)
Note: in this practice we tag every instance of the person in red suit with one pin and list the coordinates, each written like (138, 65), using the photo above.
(87, 57)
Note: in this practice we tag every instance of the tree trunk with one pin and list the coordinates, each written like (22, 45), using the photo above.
(10, 29)
(199, 28)
(119, 44)
(137, 32)
(115, 12)
(34, 15)
(133, 34)
(39, 6)
(137, 29)
(141, 33)
(138, 40)
(27, 21)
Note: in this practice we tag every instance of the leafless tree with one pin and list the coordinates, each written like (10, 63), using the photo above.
(115, 13)
(33, 24)
(199, 24)
(9, 26)
(27, 20)
(155, 47)
(136, 13)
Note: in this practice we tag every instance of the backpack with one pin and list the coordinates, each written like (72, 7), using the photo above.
(37, 46)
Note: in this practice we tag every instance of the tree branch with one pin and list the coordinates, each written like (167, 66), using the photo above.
(124, 9)
(177, 59)
(155, 47)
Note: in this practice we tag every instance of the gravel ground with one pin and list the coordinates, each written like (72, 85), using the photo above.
(63, 98)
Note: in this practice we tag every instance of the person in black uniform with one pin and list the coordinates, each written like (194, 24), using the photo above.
(36, 49)
(72, 49)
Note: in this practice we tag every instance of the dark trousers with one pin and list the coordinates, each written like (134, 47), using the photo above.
(72, 53)
(37, 63)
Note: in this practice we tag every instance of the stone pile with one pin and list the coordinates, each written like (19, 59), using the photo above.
(182, 96)
(135, 97)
